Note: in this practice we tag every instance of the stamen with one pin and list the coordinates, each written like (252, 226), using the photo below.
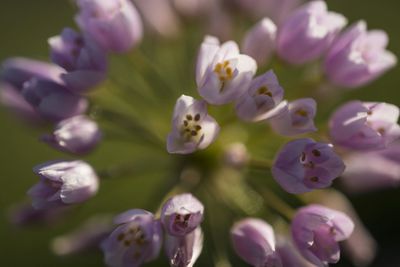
(197, 117)
(301, 112)
(316, 153)
(314, 179)
(264, 91)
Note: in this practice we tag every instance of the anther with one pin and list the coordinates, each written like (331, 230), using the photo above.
(316, 153)
(197, 117)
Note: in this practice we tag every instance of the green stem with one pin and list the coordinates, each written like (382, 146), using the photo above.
(260, 164)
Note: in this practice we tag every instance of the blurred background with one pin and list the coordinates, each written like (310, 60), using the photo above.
(25, 27)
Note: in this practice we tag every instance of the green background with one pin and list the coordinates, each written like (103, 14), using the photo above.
(25, 26)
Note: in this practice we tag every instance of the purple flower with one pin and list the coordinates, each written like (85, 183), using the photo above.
(316, 231)
(358, 57)
(303, 165)
(192, 127)
(183, 251)
(296, 117)
(63, 183)
(17, 71)
(263, 95)
(254, 241)
(382, 170)
(53, 101)
(114, 24)
(136, 240)
(222, 73)
(307, 34)
(181, 214)
(365, 125)
(259, 41)
(86, 237)
(11, 98)
(85, 62)
(77, 135)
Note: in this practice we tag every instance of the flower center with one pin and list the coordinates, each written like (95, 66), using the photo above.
(224, 72)
(263, 90)
(191, 128)
(134, 234)
(182, 220)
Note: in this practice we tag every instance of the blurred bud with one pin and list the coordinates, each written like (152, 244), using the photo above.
(289, 255)
(114, 24)
(254, 242)
(12, 99)
(236, 155)
(316, 231)
(259, 41)
(307, 33)
(365, 125)
(77, 135)
(85, 62)
(183, 251)
(87, 237)
(17, 71)
(357, 57)
(383, 170)
(193, 8)
(294, 118)
(159, 17)
(303, 165)
(53, 101)
(137, 239)
(63, 183)
(181, 214)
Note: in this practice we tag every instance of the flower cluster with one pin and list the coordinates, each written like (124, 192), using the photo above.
(227, 81)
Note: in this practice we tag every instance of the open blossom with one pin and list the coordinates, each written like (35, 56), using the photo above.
(307, 33)
(183, 251)
(77, 135)
(263, 95)
(358, 57)
(181, 214)
(114, 24)
(52, 100)
(192, 127)
(136, 240)
(84, 60)
(222, 73)
(254, 242)
(365, 125)
(293, 118)
(259, 41)
(382, 170)
(316, 231)
(16, 71)
(63, 183)
(303, 165)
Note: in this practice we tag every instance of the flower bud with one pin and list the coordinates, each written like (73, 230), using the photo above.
(136, 240)
(114, 24)
(85, 62)
(192, 127)
(357, 57)
(183, 251)
(254, 242)
(307, 33)
(63, 183)
(77, 135)
(181, 214)
(259, 41)
(365, 125)
(296, 117)
(259, 102)
(316, 231)
(53, 101)
(222, 73)
(303, 165)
